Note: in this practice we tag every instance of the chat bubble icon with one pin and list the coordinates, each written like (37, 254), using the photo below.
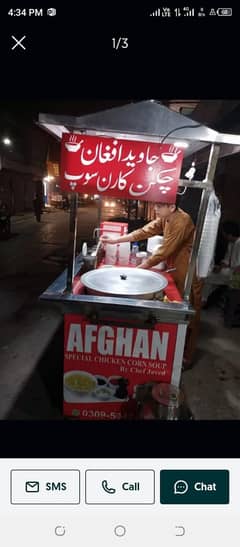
(180, 487)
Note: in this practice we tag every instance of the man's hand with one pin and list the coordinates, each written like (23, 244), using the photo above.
(110, 240)
(144, 265)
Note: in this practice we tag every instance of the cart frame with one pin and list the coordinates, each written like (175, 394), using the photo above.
(96, 307)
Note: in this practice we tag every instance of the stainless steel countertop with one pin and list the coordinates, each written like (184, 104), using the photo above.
(144, 310)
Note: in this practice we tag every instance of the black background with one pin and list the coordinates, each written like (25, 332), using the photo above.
(145, 439)
(70, 56)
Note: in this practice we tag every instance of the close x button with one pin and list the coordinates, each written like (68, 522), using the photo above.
(194, 487)
(18, 43)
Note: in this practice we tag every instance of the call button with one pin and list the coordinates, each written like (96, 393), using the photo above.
(120, 486)
(194, 487)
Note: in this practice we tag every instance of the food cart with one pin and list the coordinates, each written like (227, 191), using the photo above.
(117, 341)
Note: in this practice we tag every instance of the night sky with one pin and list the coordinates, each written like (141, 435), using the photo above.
(29, 110)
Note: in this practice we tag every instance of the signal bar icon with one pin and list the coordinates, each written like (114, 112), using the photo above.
(188, 11)
(156, 13)
(161, 12)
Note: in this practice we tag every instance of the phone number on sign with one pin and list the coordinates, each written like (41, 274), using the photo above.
(97, 414)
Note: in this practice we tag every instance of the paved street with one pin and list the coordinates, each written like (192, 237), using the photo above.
(212, 386)
(29, 261)
(33, 244)
(31, 332)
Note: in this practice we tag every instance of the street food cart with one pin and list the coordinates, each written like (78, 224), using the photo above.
(125, 328)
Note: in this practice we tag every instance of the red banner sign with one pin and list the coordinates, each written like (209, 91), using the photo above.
(120, 168)
(103, 364)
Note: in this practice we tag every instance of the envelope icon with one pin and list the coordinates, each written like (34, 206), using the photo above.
(32, 486)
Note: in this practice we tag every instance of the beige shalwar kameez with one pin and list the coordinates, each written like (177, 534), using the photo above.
(178, 231)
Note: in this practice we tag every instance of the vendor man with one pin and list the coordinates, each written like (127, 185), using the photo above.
(178, 230)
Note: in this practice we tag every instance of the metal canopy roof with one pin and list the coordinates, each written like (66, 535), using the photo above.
(146, 120)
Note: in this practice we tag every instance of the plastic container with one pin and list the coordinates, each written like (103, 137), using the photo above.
(141, 257)
(209, 235)
(161, 265)
(133, 255)
(110, 251)
(124, 252)
(84, 249)
(154, 242)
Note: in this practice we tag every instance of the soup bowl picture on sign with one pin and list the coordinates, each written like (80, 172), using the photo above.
(79, 381)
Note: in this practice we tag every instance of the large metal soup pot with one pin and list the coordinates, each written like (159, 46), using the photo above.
(124, 282)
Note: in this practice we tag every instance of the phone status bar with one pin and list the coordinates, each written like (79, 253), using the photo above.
(167, 12)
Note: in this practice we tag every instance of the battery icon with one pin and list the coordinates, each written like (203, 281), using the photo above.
(224, 11)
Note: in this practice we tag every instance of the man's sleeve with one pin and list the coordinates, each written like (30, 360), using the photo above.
(171, 243)
(151, 229)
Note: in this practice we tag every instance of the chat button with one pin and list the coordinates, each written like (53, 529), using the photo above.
(194, 487)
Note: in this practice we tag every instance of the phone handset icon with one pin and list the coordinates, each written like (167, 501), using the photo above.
(107, 489)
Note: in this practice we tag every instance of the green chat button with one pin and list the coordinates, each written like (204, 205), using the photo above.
(194, 487)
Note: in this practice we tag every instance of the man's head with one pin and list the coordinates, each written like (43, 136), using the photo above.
(164, 210)
(230, 230)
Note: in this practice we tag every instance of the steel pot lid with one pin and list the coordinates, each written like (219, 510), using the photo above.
(124, 281)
